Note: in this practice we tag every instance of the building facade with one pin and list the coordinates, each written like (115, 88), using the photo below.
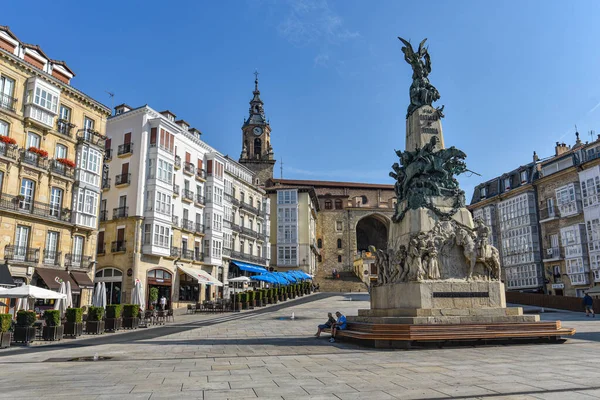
(167, 203)
(508, 206)
(51, 152)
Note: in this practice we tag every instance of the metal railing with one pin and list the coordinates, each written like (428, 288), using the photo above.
(34, 159)
(78, 261)
(7, 102)
(9, 150)
(106, 183)
(200, 173)
(187, 254)
(199, 228)
(103, 215)
(61, 169)
(108, 154)
(21, 254)
(226, 252)
(198, 255)
(91, 136)
(64, 127)
(249, 232)
(248, 257)
(177, 162)
(125, 148)
(175, 220)
(552, 253)
(188, 168)
(118, 246)
(44, 210)
(187, 224)
(188, 194)
(120, 212)
(175, 251)
(200, 199)
(249, 207)
(101, 249)
(236, 227)
(176, 190)
(52, 257)
(123, 179)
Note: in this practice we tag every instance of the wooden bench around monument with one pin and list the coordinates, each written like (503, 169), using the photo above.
(406, 332)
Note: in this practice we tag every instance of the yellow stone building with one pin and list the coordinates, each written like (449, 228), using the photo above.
(51, 156)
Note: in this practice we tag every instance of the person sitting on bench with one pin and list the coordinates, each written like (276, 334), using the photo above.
(339, 325)
(326, 325)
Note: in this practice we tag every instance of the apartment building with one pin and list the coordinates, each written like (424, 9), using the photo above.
(51, 151)
(166, 200)
(508, 206)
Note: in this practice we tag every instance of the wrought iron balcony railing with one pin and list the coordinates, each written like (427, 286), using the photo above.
(118, 246)
(7, 102)
(199, 228)
(91, 136)
(187, 194)
(200, 199)
(106, 183)
(188, 225)
(108, 154)
(200, 173)
(61, 169)
(52, 257)
(122, 179)
(21, 254)
(78, 261)
(187, 254)
(175, 220)
(176, 190)
(9, 150)
(177, 162)
(26, 205)
(124, 149)
(120, 212)
(34, 159)
(188, 168)
(175, 251)
(101, 249)
(103, 215)
(64, 127)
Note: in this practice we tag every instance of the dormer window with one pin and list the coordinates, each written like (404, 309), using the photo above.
(524, 176)
(483, 192)
(507, 183)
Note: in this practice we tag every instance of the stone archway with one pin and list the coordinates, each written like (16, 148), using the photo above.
(372, 230)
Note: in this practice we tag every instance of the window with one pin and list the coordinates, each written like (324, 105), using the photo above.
(27, 193)
(60, 151)
(51, 247)
(78, 246)
(7, 86)
(319, 258)
(216, 248)
(482, 192)
(45, 99)
(165, 171)
(338, 226)
(33, 140)
(287, 255)
(507, 183)
(287, 197)
(147, 233)
(86, 207)
(590, 191)
(218, 196)
(21, 241)
(339, 243)
(523, 176)
(328, 204)
(565, 199)
(163, 203)
(65, 113)
(162, 236)
(3, 127)
(56, 196)
(88, 124)
(339, 259)
(338, 204)
(320, 243)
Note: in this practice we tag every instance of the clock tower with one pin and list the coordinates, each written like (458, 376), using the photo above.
(257, 153)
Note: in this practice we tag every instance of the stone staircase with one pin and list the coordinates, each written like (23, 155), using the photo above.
(348, 282)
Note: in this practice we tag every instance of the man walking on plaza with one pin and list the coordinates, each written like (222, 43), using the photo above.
(588, 303)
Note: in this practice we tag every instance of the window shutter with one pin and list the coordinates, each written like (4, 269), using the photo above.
(127, 138)
(125, 169)
(199, 164)
(209, 167)
(188, 157)
(120, 234)
(153, 136)
(100, 240)
(107, 144)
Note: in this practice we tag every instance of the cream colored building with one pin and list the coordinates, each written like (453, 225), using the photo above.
(51, 151)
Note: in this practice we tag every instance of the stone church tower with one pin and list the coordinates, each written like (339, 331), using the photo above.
(257, 153)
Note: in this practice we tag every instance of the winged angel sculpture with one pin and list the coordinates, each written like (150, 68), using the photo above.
(422, 92)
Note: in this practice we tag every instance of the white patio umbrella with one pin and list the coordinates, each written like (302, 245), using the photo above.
(30, 292)
(103, 296)
(240, 279)
(137, 295)
(96, 295)
(69, 295)
(60, 304)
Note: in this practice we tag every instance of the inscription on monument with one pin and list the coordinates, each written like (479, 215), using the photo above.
(461, 294)
(432, 131)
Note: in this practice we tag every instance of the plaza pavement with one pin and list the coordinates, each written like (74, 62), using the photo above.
(259, 355)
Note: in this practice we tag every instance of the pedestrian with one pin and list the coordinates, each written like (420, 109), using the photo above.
(163, 303)
(334, 273)
(588, 303)
(338, 326)
(326, 325)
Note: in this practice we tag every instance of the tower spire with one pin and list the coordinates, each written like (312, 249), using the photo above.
(257, 112)
(256, 81)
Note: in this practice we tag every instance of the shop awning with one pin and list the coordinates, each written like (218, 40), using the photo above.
(5, 279)
(82, 279)
(53, 277)
(249, 267)
(201, 275)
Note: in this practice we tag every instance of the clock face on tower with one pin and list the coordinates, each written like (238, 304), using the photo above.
(257, 130)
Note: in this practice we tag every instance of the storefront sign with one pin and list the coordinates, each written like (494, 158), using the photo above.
(558, 286)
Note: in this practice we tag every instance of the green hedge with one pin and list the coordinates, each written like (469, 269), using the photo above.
(95, 313)
(52, 317)
(26, 318)
(131, 310)
(114, 311)
(259, 295)
(75, 315)
(5, 322)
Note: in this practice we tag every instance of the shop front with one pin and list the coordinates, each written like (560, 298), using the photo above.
(197, 283)
(51, 279)
(113, 279)
(162, 281)
(6, 282)
(87, 288)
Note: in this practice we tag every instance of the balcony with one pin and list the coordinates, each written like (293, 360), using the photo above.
(177, 162)
(571, 208)
(58, 168)
(90, 136)
(65, 128)
(187, 254)
(125, 150)
(23, 205)
(199, 228)
(235, 227)
(188, 168)
(101, 249)
(227, 224)
(226, 252)
(248, 257)
(188, 225)
(249, 232)
(175, 251)
(21, 254)
(200, 174)
(78, 261)
(108, 155)
(123, 179)
(9, 151)
(175, 220)
(118, 246)
(7, 102)
(552, 254)
(103, 215)
(34, 160)
(187, 195)
(175, 190)
(52, 258)
(250, 208)
(200, 199)
(198, 255)
(105, 183)
(120, 212)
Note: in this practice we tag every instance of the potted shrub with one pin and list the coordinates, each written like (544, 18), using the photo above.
(66, 162)
(238, 301)
(24, 331)
(94, 325)
(74, 324)
(259, 298)
(275, 295)
(245, 297)
(7, 140)
(53, 329)
(40, 152)
(131, 313)
(113, 319)
(153, 297)
(252, 299)
(5, 324)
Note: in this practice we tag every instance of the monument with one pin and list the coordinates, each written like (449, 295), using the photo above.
(438, 273)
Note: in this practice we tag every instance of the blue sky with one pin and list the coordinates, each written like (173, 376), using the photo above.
(514, 76)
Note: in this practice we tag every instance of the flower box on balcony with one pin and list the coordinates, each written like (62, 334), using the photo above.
(66, 162)
(40, 152)
(7, 140)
